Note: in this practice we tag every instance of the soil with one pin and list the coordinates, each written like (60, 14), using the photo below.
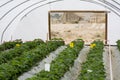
(86, 31)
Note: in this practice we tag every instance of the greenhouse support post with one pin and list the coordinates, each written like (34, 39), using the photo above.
(110, 59)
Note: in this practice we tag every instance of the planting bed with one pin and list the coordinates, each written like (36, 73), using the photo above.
(62, 63)
(74, 71)
(93, 68)
(6, 56)
(41, 64)
(75, 61)
(12, 69)
(9, 45)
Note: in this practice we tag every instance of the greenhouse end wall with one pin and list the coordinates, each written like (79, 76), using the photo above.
(36, 25)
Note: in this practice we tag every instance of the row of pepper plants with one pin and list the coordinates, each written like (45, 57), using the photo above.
(6, 56)
(62, 62)
(15, 67)
(93, 68)
(9, 44)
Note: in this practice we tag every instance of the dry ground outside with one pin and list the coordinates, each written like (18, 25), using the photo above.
(85, 31)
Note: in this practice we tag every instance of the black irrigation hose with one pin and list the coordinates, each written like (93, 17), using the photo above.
(13, 9)
(6, 3)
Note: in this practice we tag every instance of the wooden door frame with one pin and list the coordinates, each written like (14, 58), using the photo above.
(97, 11)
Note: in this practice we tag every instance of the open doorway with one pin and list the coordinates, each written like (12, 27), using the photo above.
(71, 25)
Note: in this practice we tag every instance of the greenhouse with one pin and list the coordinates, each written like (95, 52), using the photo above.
(59, 39)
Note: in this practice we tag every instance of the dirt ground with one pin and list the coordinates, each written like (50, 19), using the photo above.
(85, 31)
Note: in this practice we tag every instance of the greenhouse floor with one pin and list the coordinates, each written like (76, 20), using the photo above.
(115, 59)
(74, 71)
